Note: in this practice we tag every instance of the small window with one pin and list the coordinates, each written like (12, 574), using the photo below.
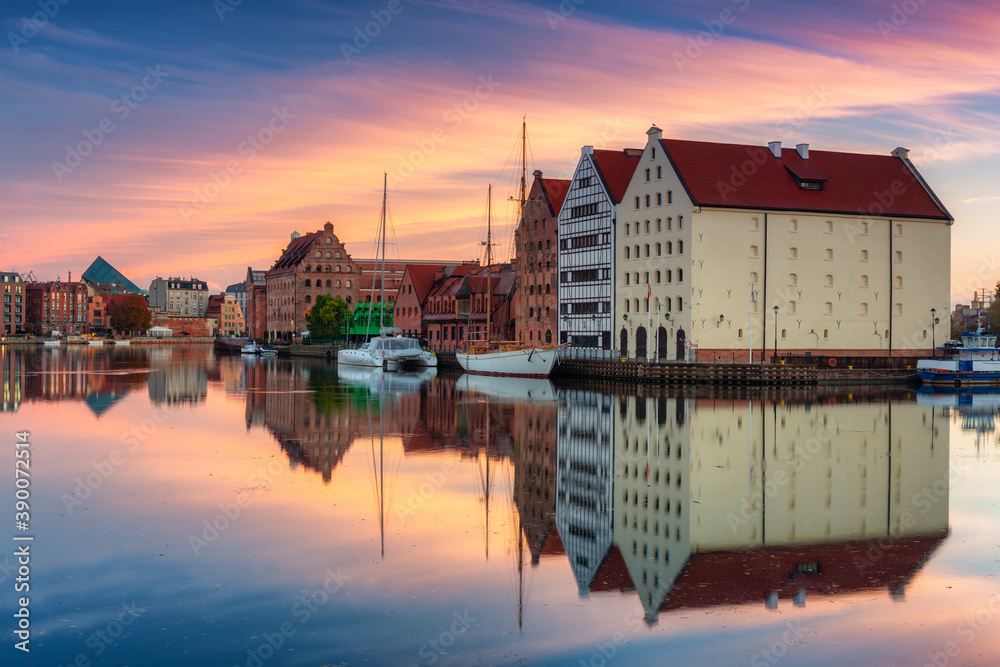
(645, 277)
(669, 276)
(647, 226)
(637, 203)
(626, 252)
(898, 230)
(647, 250)
(792, 307)
(864, 309)
(659, 250)
(670, 247)
(899, 282)
(828, 281)
(680, 222)
(753, 251)
(793, 253)
(628, 229)
(864, 229)
(636, 248)
(739, 334)
(829, 254)
(899, 256)
(659, 225)
(659, 198)
(793, 225)
(657, 277)
(784, 334)
(680, 247)
(864, 281)
(899, 309)
(647, 175)
(680, 275)
(627, 277)
(754, 224)
(647, 201)
(826, 333)
(793, 279)
(864, 255)
(670, 196)
(828, 227)
(828, 308)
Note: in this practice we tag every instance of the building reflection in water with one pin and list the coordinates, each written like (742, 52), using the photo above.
(747, 501)
(180, 375)
(91, 374)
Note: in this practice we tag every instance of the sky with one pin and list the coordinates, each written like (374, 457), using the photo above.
(191, 138)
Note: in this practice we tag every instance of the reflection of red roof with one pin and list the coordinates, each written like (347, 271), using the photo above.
(741, 577)
(555, 189)
(553, 543)
(617, 167)
(293, 254)
(613, 574)
(855, 183)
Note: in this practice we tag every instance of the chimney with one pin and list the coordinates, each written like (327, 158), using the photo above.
(70, 278)
(654, 133)
(803, 150)
(537, 173)
(775, 148)
(901, 153)
(295, 235)
(587, 150)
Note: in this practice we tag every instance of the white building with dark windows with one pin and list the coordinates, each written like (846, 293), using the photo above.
(586, 245)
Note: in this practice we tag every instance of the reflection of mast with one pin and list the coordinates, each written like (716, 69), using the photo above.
(378, 470)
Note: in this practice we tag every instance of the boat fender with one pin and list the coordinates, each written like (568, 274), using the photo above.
(832, 362)
(958, 383)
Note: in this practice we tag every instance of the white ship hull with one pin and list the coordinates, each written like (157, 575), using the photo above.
(389, 353)
(532, 362)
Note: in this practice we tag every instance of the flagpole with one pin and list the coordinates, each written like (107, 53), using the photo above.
(751, 318)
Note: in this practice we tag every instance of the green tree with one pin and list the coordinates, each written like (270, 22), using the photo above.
(130, 314)
(327, 317)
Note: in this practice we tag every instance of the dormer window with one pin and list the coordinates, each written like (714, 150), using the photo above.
(806, 177)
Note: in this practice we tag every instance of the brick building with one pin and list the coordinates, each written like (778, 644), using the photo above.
(537, 245)
(255, 313)
(59, 305)
(313, 264)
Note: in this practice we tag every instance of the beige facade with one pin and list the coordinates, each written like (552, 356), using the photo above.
(843, 284)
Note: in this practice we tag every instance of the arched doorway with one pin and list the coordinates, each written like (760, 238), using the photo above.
(640, 343)
(681, 338)
(624, 343)
(661, 344)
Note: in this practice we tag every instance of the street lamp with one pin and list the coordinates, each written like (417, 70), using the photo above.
(721, 319)
(775, 334)
(934, 321)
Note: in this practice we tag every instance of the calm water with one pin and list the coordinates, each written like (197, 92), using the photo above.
(188, 509)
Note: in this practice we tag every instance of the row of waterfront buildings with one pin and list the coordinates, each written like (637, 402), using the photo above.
(722, 251)
(677, 249)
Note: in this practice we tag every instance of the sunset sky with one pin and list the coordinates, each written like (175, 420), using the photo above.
(191, 138)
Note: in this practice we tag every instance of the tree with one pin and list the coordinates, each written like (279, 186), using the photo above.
(130, 314)
(29, 328)
(327, 316)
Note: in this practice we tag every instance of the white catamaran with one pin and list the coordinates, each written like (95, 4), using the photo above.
(491, 357)
(390, 350)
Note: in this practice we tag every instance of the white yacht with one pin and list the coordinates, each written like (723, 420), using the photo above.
(389, 352)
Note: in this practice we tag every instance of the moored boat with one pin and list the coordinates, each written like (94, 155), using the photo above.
(976, 362)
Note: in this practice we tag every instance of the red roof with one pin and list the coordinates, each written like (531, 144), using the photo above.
(613, 575)
(215, 302)
(616, 168)
(741, 176)
(293, 255)
(555, 189)
(422, 277)
(739, 577)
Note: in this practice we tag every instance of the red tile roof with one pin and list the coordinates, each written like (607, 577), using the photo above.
(422, 277)
(741, 176)
(215, 302)
(613, 575)
(739, 577)
(293, 255)
(555, 189)
(616, 168)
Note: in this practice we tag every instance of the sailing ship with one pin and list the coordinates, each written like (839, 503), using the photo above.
(390, 350)
(486, 356)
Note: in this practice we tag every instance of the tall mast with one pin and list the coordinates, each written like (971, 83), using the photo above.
(522, 297)
(381, 316)
(489, 259)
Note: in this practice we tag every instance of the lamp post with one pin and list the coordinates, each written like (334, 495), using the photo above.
(934, 321)
(775, 334)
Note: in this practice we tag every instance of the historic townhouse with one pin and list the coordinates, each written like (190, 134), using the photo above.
(456, 305)
(225, 310)
(537, 246)
(255, 315)
(179, 297)
(586, 245)
(311, 265)
(730, 251)
(58, 305)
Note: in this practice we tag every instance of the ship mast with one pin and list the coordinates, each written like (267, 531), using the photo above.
(489, 259)
(523, 292)
(381, 316)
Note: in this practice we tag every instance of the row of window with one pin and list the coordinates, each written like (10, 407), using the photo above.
(585, 275)
(656, 277)
(585, 308)
(793, 253)
(582, 210)
(327, 269)
(658, 249)
(337, 283)
(659, 225)
(860, 227)
(585, 241)
(659, 198)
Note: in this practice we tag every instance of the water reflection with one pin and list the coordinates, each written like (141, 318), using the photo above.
(651, 501)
